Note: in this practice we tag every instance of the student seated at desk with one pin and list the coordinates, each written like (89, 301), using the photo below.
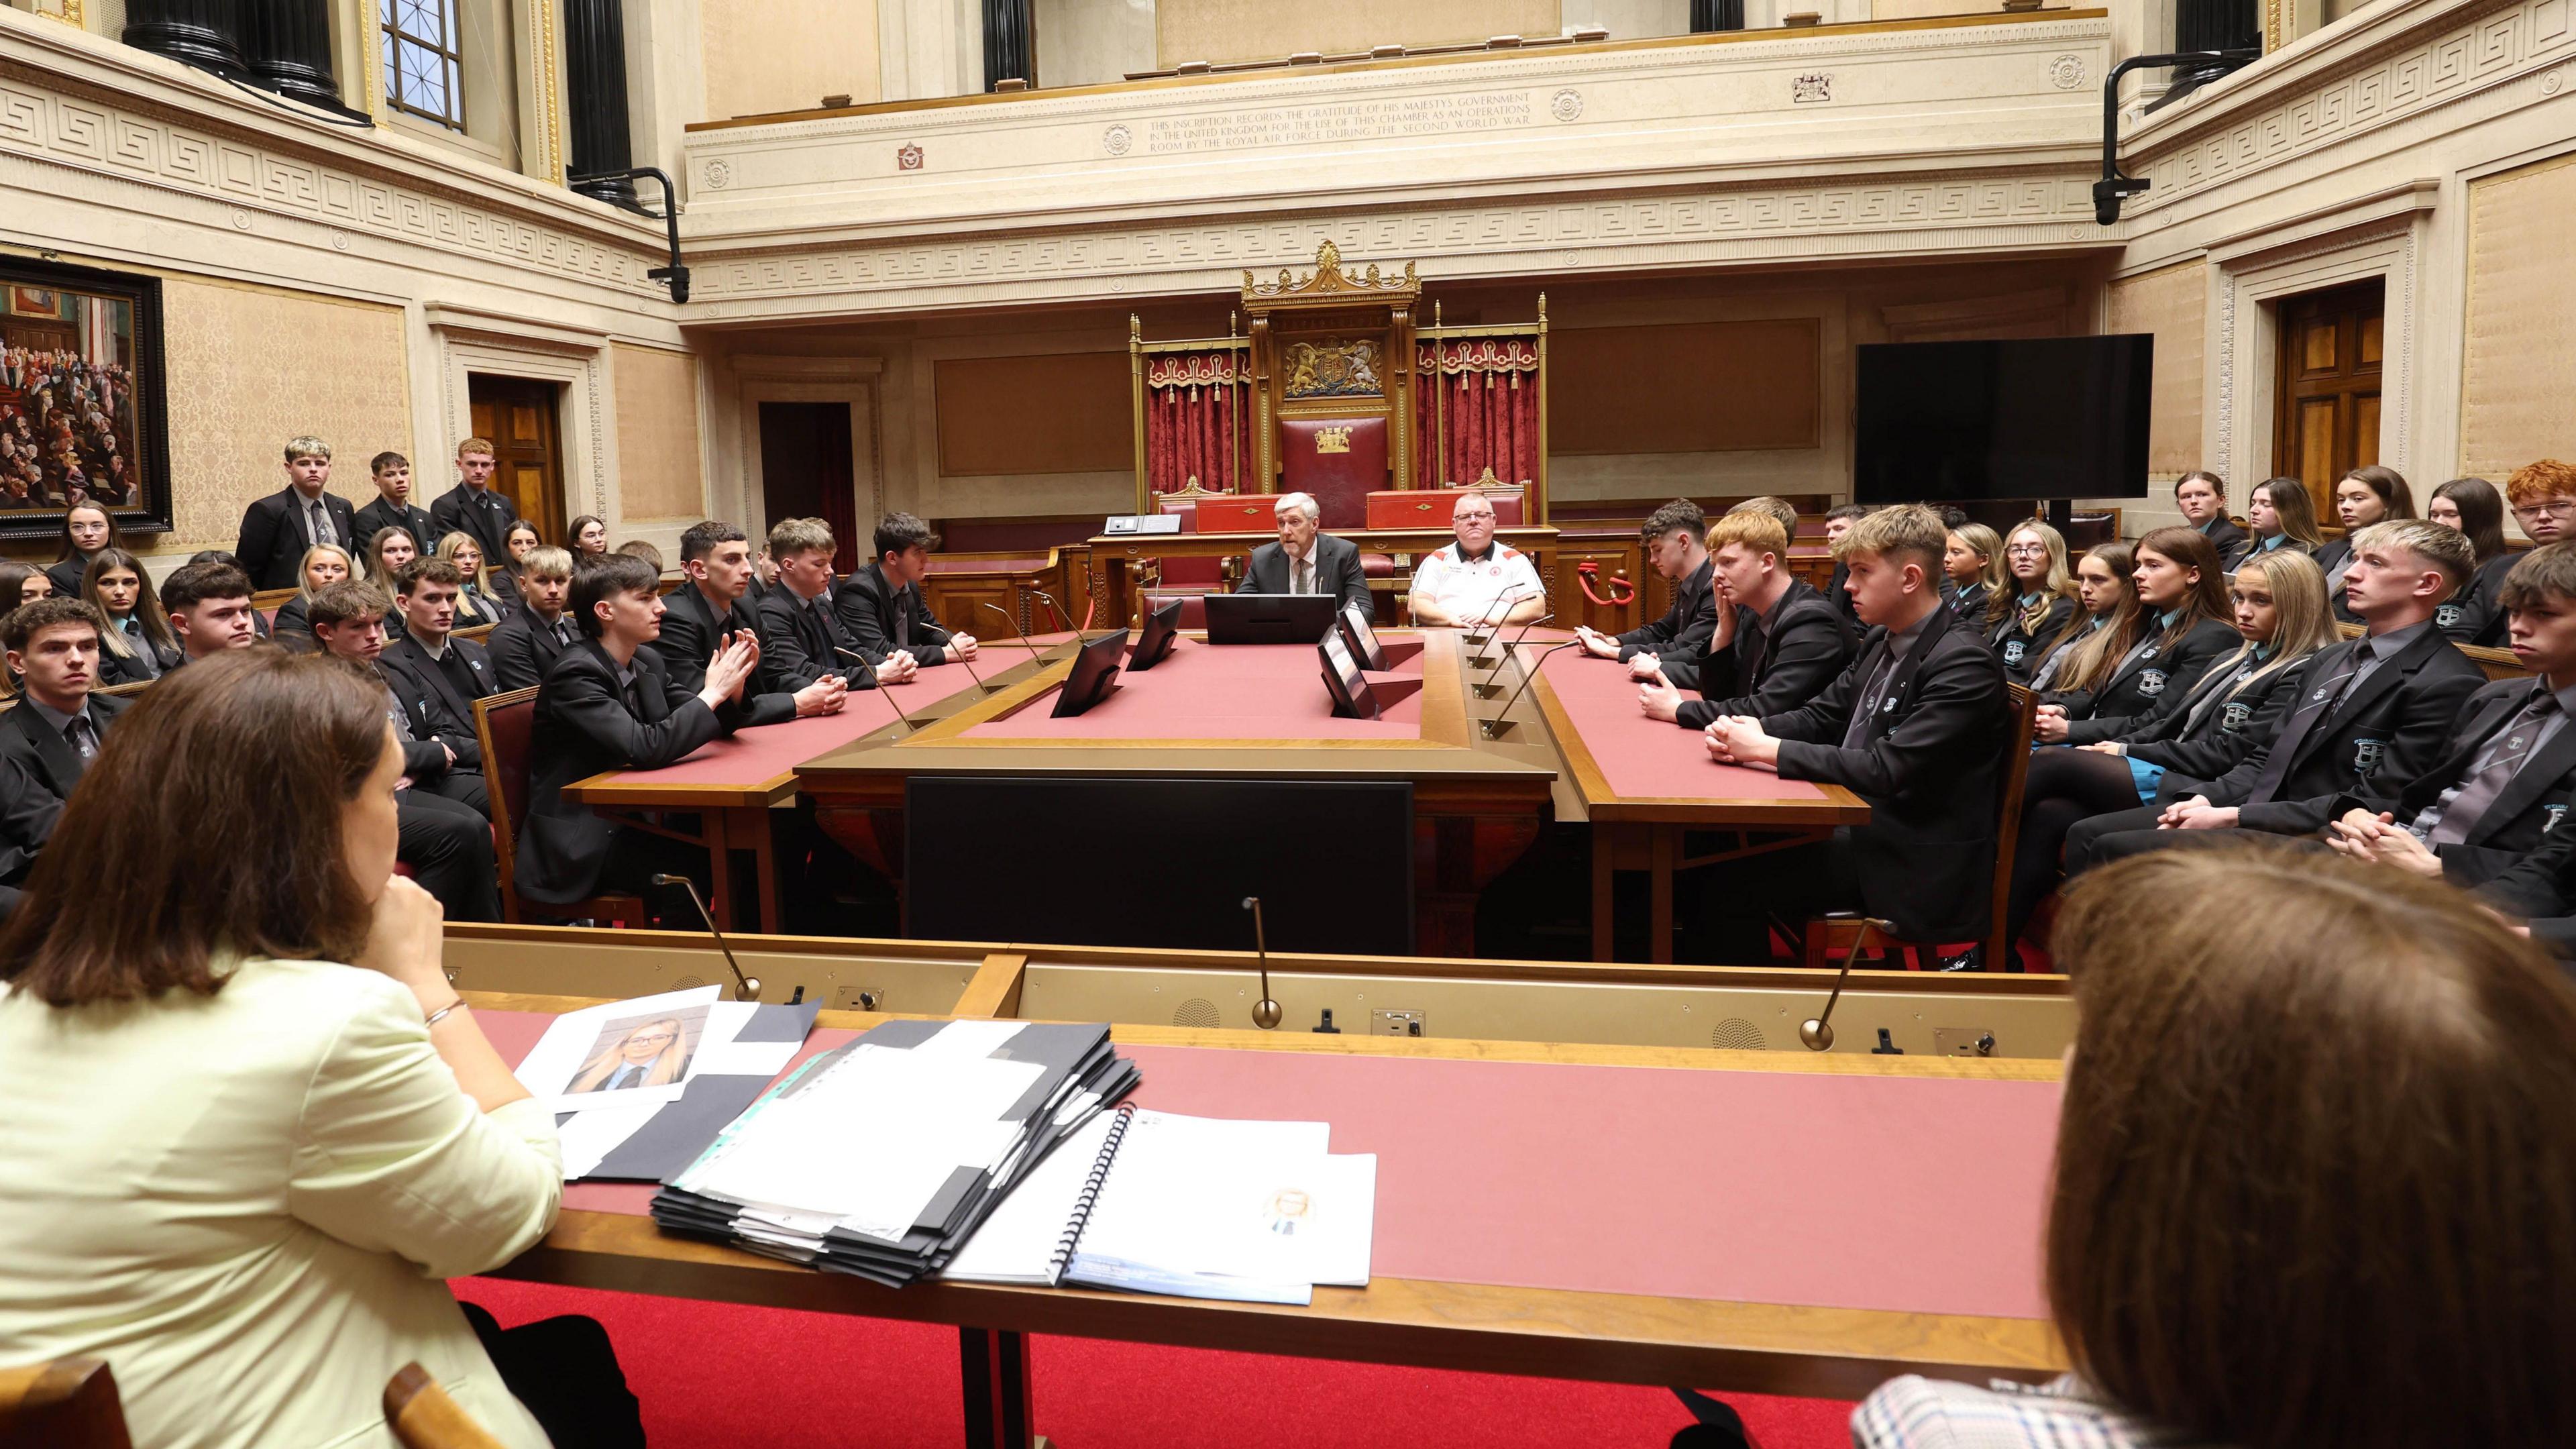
(1475, 581)
(2282, 1229)
(251, 1126)
(1914, 727)
(1306, 560)
(608, 704)
(800, 640)
(881, 606)
(1671, 645)
(701, 614)
(1776, 643)
(524, 645)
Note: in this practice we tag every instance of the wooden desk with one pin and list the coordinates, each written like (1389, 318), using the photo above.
(1772, 1347)
(1640, 816)
(1117, 556)
(722, 794)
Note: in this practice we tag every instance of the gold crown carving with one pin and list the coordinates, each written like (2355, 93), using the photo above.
(1332, 440)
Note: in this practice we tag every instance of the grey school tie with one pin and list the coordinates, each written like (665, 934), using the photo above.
(2313, 710)
(2506, 752)
(83, 739)
(1856, 734)
(321, 516)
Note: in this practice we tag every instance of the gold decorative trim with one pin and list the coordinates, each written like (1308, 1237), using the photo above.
(1329, 279)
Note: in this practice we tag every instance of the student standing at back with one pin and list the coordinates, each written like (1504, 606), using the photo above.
(392, 506)
(474, 505)
(276, 530)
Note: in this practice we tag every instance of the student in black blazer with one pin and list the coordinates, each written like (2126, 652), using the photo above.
(2362, 497)
(1776, 644)
(1973, 558)
(138, 645)
(701, 614)
(474, 506)
(2371, 713)
(2281, 614)
(882, 608)
(276, 530)
(2202, 497)
(2042, 603)
(392, 506)
(2184, 629)
(524, 645)
(2476, 614)
(438, 676)
(608, 704)
(1334, 562)
(1915, 727)
(800, 640)
(1671, 645)
(88, 530)
(2278, 515)
(1839, 521)
(59, 722)
(27, 814)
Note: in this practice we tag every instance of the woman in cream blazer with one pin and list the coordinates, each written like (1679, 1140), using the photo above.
(238, 1169)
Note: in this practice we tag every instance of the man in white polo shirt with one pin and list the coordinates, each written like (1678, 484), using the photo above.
(1476, 580)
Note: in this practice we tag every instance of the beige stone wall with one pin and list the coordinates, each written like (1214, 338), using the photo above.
(786, 55)
(2519, 369)
(2171, 302)
(660, 474)
(250, 367)
(1223, 30)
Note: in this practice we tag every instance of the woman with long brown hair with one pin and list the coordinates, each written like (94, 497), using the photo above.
(2106, 619)
(138, 643)
(2364, 496)
(2183, 629)
(2314, 1170)
(2476, 509)
(2280, 515)
(251, 1126)
(87, 529)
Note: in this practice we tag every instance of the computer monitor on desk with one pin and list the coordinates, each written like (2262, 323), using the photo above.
(1162, 631)
(1270, 618)
(1094, 671)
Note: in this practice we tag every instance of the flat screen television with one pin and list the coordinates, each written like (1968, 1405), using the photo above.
(1151, 861)
(2051, 417)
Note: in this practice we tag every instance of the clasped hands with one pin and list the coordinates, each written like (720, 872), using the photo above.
(2365, 836)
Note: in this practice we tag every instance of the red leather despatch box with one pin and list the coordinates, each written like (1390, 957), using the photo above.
(1255, 514)
(1339, 460)
(1431, 507)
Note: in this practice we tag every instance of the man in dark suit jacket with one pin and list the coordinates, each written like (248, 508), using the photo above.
(1673, 549)
(1306, 560)
(700, 615)
(1915, 727)
(27, 814)
(800, 640)
(59, 723)
(608, 704)
(881, 605)
(1777, 642)
(437, 676)
(524, 645)
(2371, 713)
(1839, 521)
(276, 530)
(393, 508)
(474, 506)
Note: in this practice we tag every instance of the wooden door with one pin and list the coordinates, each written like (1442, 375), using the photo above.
(2327, 422)
(805, 472)
(522, 418)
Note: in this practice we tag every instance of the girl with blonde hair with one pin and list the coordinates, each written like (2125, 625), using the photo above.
(323, 565)
(475, 603)
(1974, 561)
(2038, 605)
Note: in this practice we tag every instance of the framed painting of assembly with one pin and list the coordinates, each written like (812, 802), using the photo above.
(83, 418)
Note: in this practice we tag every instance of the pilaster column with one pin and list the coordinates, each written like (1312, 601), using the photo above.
(287, 47)
(1710, 15)
(1010, 42)
(202, 33)
(595, 93)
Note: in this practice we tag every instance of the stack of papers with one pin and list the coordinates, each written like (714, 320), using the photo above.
(881, 1158)
(1154, 1202)
(641, 1087)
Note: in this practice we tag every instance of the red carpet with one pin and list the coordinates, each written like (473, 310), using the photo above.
(716, 1376)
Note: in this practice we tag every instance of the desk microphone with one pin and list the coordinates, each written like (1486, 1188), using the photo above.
(1817, 1033)
(1061, 615)
(1501, 724)
(1479, 641)
(1031, 644)
(1486, 688)
(1265, 1012)
(878, 682)
(746, 988)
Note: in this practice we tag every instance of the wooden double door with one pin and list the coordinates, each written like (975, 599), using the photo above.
(2326, 418)
(523, 419)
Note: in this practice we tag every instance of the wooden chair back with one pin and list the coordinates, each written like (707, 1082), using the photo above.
(132, 687)
(2025, 728)
(477, 633)
(422, 1416)
(504, 725)
(70, 1403)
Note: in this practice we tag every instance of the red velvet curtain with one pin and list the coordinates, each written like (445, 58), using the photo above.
(1195, 402)
(1476, 407)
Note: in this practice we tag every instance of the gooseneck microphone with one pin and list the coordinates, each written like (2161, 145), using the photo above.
(1486, 688)
(1817, 1032)
(1027, 642)
(1501, 724)
(874, 679)
(1265, 1012)
(1062, 615)
(1480, 619)
(745, 988)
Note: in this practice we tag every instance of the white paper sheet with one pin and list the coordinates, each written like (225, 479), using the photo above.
(574, 1038)
(746, 1058)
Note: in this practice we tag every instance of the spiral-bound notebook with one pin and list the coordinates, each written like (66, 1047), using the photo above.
(1199, 1207)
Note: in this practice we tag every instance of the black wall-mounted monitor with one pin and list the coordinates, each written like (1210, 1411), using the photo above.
(2052, 417)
